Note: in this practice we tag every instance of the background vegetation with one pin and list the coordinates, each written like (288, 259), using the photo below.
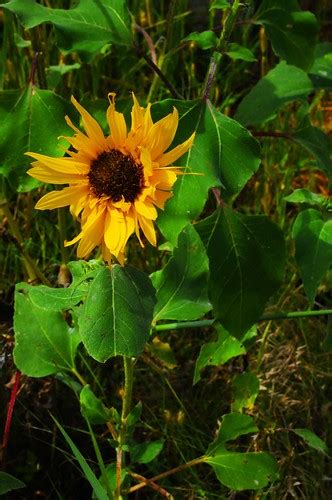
(169, 57)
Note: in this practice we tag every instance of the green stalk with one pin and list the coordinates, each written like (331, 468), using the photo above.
(267, 317)
(221, 47)
(126, 406)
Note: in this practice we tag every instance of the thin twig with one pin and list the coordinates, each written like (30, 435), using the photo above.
(151, 484)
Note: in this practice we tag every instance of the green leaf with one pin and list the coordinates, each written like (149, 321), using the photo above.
(84, 29)
(312, 234)
(92, 408)
(217, 353)
(317, 144)
(292, 32)
(181, 286)
(239, 471)
(55, 73)
(21, 42)
(60, 299)
(282, 84)
(44, 343)
(321, 70)
(224, 153)
(117, 314)
(88, 472)
(245, 391)
(220, 4)
(309, 198)
(247, 256)
(205, 40)
(9, 483)
(236, 51)
(143, 453)
(31, 120)
(311, 439)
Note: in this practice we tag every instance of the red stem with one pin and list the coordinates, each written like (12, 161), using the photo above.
(10, 410)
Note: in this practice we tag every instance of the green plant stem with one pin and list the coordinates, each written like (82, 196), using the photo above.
(32, 270)
(267, 317)
(126, 406)
(100, 461)
(221, 47)
(180, 468)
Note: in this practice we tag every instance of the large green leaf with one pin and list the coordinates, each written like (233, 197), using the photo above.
(239, 471)
(29, 121)
(224, 154)
(205, 39)
(247, 255)
(282, 84)
(182, 284)
(293, 33)
(44, 343)
(9, 483)
(312, 233)
(85, 29)
(321, 70)
(117, 313)
(217, 353)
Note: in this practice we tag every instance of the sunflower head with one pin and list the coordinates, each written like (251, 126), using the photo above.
(115, 182)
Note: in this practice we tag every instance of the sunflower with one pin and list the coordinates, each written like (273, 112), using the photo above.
(115, 182)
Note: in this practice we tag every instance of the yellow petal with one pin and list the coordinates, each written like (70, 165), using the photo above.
(93, 231)
(161, 134)
(116, 123)
(145, 159)
(57, 199)
(45, 174)
(147, 122)
(63, 165)
(74, 240)
(137, 114)
(146, 209)
(163, 179)
(91, 126)
(118, 228)
(161, 197)
(170, 157)
(148, 230)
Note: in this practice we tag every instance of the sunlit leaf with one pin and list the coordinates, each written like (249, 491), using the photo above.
(205, 39)
(44, 343)
(282, 84)
(217, 353)
(247, 255)
(321, 71)
(143, 453)
(312, 233)
(117, 313)
(318, 144)
(239, 471)
(31, 120)
(236, 51)
(181, 285)
(220, 4)
(311, 439)
(86, 28)
(224, 154)
(309, 198)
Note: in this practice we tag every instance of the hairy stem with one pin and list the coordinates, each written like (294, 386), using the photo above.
(126, 406)
(225, 34)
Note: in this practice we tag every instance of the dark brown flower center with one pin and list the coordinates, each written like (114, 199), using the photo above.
(116, 175)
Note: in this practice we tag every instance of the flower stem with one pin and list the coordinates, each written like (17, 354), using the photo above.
(126, 406)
